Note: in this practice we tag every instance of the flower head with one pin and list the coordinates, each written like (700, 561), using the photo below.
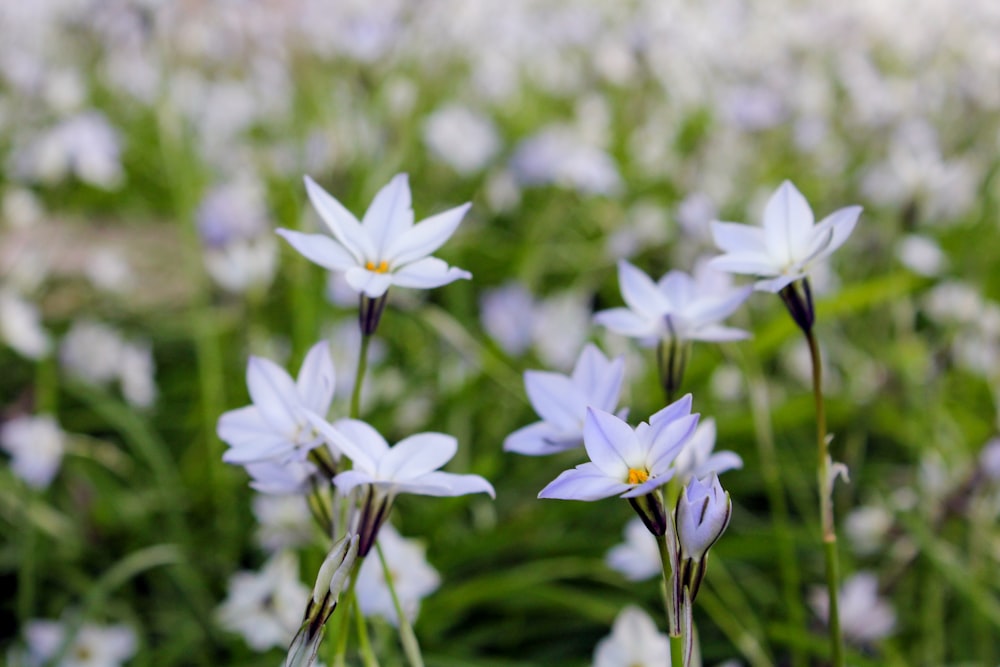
(412, 577)
(562, 401)
(276, 427)
(385, 248)
(92, 646)
(703, 513)
(626, 462)
(36, 445)
(634, 642)
(679, 306)
(788, 244)
(638, 557)
(698, 458)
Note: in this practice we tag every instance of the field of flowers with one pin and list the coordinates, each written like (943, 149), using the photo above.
(544, 333)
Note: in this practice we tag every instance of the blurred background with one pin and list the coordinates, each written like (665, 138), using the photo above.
(149, 149)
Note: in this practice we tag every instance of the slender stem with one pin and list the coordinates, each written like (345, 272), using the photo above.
(406, 635)
(346, 602)
(364, 645)
(677, 652)
(826, 505)
(359, 376)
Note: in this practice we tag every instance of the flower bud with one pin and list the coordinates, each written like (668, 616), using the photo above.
(703, 512)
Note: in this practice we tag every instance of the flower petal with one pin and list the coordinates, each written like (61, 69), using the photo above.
(446, 484)
(320, 249)
(627, 323)
(274, 394)
(584, 482)
(539, 439)
(611, 444)
(640, 292)
(755, 264)
(417, 455)
(778, 283)
(738, 238)
(651, 484)
(369, 283)
(669, 441)
(836, 228)
(355, 439)
(389, 216)
(788, 225)
(316, 380)
(428, 272)
(346, 481)
(342, 223)
(424, 238)
(250, 437)
(710, 310)
(600, 378)
(716, 333)
(718, 463)
(556, 399)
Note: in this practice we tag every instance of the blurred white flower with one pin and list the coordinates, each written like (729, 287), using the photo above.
(867, 529)
(93, 645)
(98, 354)
(560, 326)
(921, 255)
(507, 313)
(989, 459)
(136, 373)
(634, 642)
(412, 576)
(864, 616)
(85, 145)
(36, 445)
(21, 326)
(699, 459)
(21, 208)
(266, 607)
(464, 139)
(638, 557)
(557, 156)
(385, 248)
(283, 522)
(109, 270)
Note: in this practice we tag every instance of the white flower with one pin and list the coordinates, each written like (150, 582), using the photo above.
(703, 513)
(562, 401)
(412, 577)
(411, 466)
(36, 446)
(638, 557)
(787, 245)
(93, 645)
(864, 616)
(277, 426)
(634, 642)
(678, 307)
(21, 326)
(625, 462)
(385, 248)
(283, 521)
(265, 607)
(464, 139)
(697, 459)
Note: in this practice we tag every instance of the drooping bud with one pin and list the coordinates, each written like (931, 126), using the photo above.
(650, 509)
(702, 515)
(326, 592)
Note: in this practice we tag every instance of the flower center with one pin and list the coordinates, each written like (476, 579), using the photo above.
(381, 267)
(637, 476)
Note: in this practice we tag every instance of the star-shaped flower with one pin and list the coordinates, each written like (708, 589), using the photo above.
(679, 306)
(625, 462)
(276, 427)
(385, 248)
(562, 401)
(788, 244)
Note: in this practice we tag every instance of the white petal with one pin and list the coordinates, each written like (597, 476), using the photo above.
(274, 394)
(677, 289)
(427, 273)
(737, 238)
(601, 379)
(628, 323)
(417, 455)
(316, 380)
(348, 479)
(389, 216)
(718, 463)
(320, 249)
(715, 333)
(669, 441)
(539, 439)
(370, 283)
(355, 439)
(639, 291)
(775, 285)
(425, 237)
(556, 399)
(754, 264)
(342, 223)
(611, 444)
(448, 484)
(710, 310)
(585, 482)
(838, 226)
(788, 224)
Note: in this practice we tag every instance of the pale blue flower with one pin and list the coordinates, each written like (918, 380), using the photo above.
(626, 462)
(385, 248)
(680, 306)
(562, 401)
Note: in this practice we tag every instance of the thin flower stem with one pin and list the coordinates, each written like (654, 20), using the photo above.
(359, 376)
(345, 604)
(677, 652)
(826, 505)
(669, 603)
(364, 645)
(406, 635)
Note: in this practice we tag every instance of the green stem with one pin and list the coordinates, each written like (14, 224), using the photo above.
(826, 505)
(364, 645)
(359, 376)
(676, 651)
(345, 604)
(406, 635)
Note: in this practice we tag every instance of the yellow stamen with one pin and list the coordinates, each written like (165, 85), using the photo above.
(636, 476)
(381, 267)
